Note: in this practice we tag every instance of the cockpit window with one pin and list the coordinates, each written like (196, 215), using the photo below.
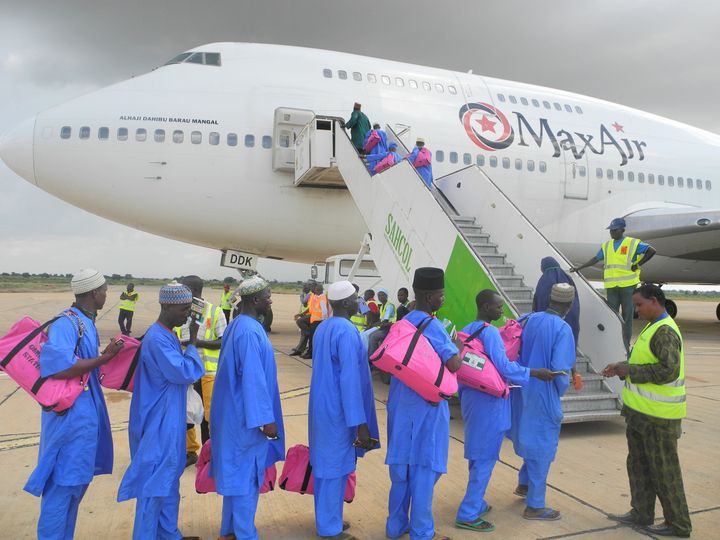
(204, 58)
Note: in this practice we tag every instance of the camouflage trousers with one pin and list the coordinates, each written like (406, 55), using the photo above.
(654, 471)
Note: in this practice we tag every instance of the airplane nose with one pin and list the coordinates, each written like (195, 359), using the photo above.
(16, 149)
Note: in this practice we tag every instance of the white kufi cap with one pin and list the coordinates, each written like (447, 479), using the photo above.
(86, 280)
(340, 290)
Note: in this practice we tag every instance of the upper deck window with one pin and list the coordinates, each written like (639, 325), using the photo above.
(204, 58)
(85, 132)
(327, 73)
(65, 132)
(342, 74)
(357, 76)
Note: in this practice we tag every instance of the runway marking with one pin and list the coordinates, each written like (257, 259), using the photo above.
(34, 440)
(296, 392)
(11, 394)
(703, 397)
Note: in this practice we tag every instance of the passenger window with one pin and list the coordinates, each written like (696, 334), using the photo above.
(103, 133)
(680, 181)
(582, 170)
(467, 159)
(195, 137)
(578, 109)
(453, 157)
(671, 181)
(159, 135)
(631, 176)
(609, 174)
(661, 180)
(214, 138)
(85, 132)
(568, 108)
(535, 103)
(385, 79)
(621, 176)
(518, 164)
(195, 58)
(439, 87)
(122, 134)
(524, 101)
(480, 160)
(690, 183)
(140, 134)
(542, 167)
(342, 74)
(698, 183)
(412, 84)
(399, 81)
(531, 165)
(493, 161)
(501, 97)
(267, 141)
(452, 89)
(357, 76)
(65, 132)
(371, 78)
(557, 106)
(212, 59)
(708, 185)
(651, 178)
(426, 86)
(506, 162)
(598, 172)
(178, 136)
(439, 155)
(249, 141)
(546, 104)
(512, 99)
(641, 178)
(232, 139)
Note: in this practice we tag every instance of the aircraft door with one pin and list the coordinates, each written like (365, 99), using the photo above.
(577, 176)
(287, 124)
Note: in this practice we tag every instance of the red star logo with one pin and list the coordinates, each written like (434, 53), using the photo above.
(486, 124)
(618, 128)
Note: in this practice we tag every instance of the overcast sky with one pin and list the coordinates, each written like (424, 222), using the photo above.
(660, 56)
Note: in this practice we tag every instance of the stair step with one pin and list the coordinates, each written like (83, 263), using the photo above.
(589, 402)
(518, 293)
(593, 384)
(590, 416)
(503, 269)
(464, 220)
(485, 249)
(494, 258)
(475, 228)
(523, 306)
(509, 281)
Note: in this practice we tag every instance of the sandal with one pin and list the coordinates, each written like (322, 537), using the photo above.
(479, 525)
(521, 490)
(543, 514)
(437, 536)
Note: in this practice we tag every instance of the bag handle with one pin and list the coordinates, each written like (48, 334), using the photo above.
(476, 333)
(306, 479)
(415, 339)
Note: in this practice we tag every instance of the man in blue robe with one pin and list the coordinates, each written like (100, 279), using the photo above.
(418, 431)
(425, 171)
(547, 342)
(390, 159)
(375, 146)
(246, 427)
(158, 412)
(77, 444)
(487, 417)
(342, 424)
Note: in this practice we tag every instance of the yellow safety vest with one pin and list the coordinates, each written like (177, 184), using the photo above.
(128, 304)
(659, 400)
(383, 309)
(359, 321)
(618, 264)
(211, 355)
(225, 300)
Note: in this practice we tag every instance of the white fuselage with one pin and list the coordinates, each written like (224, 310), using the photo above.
(228, 196)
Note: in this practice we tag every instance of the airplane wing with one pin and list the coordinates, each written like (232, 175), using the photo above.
(684, 232)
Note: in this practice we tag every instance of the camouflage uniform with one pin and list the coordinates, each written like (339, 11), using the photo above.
(652, 463)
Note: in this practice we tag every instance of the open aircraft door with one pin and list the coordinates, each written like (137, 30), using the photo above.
(577, 176)
(287, 125)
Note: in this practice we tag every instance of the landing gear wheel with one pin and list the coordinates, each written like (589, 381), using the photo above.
(671, 308)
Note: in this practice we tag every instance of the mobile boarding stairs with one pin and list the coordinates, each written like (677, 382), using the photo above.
(467, 226)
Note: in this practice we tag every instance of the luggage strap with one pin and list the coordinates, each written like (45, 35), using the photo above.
(476, 333)
(415, 339)
(132, 368)
(306, 479)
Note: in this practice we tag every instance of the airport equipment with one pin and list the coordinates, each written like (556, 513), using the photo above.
(461, 224)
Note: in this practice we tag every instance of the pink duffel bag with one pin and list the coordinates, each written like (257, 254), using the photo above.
(204, 483)
(408, 355)
(422, 158)
(119, 373)
(20, 353)
(511, 334)
(372, 141)
(385, 163)
(477, 370)
(297, 474)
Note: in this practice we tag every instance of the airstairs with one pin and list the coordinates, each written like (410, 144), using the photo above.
(468, 227)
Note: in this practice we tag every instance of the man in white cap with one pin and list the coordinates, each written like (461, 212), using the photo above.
(421, 159)
(157, 419)
(246, 417)
(536, 409)
(77, 444)
(342, 424)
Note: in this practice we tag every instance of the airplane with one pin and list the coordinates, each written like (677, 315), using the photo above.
(201, 150)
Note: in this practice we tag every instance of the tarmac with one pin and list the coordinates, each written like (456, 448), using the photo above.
(587, 480)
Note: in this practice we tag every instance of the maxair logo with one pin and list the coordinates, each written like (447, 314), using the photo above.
(399, 243)
(491, 130)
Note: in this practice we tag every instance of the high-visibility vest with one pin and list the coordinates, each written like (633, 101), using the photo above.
(359, 321)
(618, 264)
(659, 400)
(211, 356)
(317, 306)
(225, 300)
(383, 309)
(129, 303)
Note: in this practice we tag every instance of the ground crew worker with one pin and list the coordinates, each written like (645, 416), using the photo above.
(623, 256)
(226, 302)
(653, 407)
(76, 445)
(212, 326)
(388, 315)
(421, 160)
(375, 146)
(128, 299)
(342, 424)
(318, 308)
(359, 319)
(404, 304)
(302, 319)
(359, 125)
(157, 419)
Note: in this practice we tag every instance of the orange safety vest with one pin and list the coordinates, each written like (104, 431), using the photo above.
(317, 306)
